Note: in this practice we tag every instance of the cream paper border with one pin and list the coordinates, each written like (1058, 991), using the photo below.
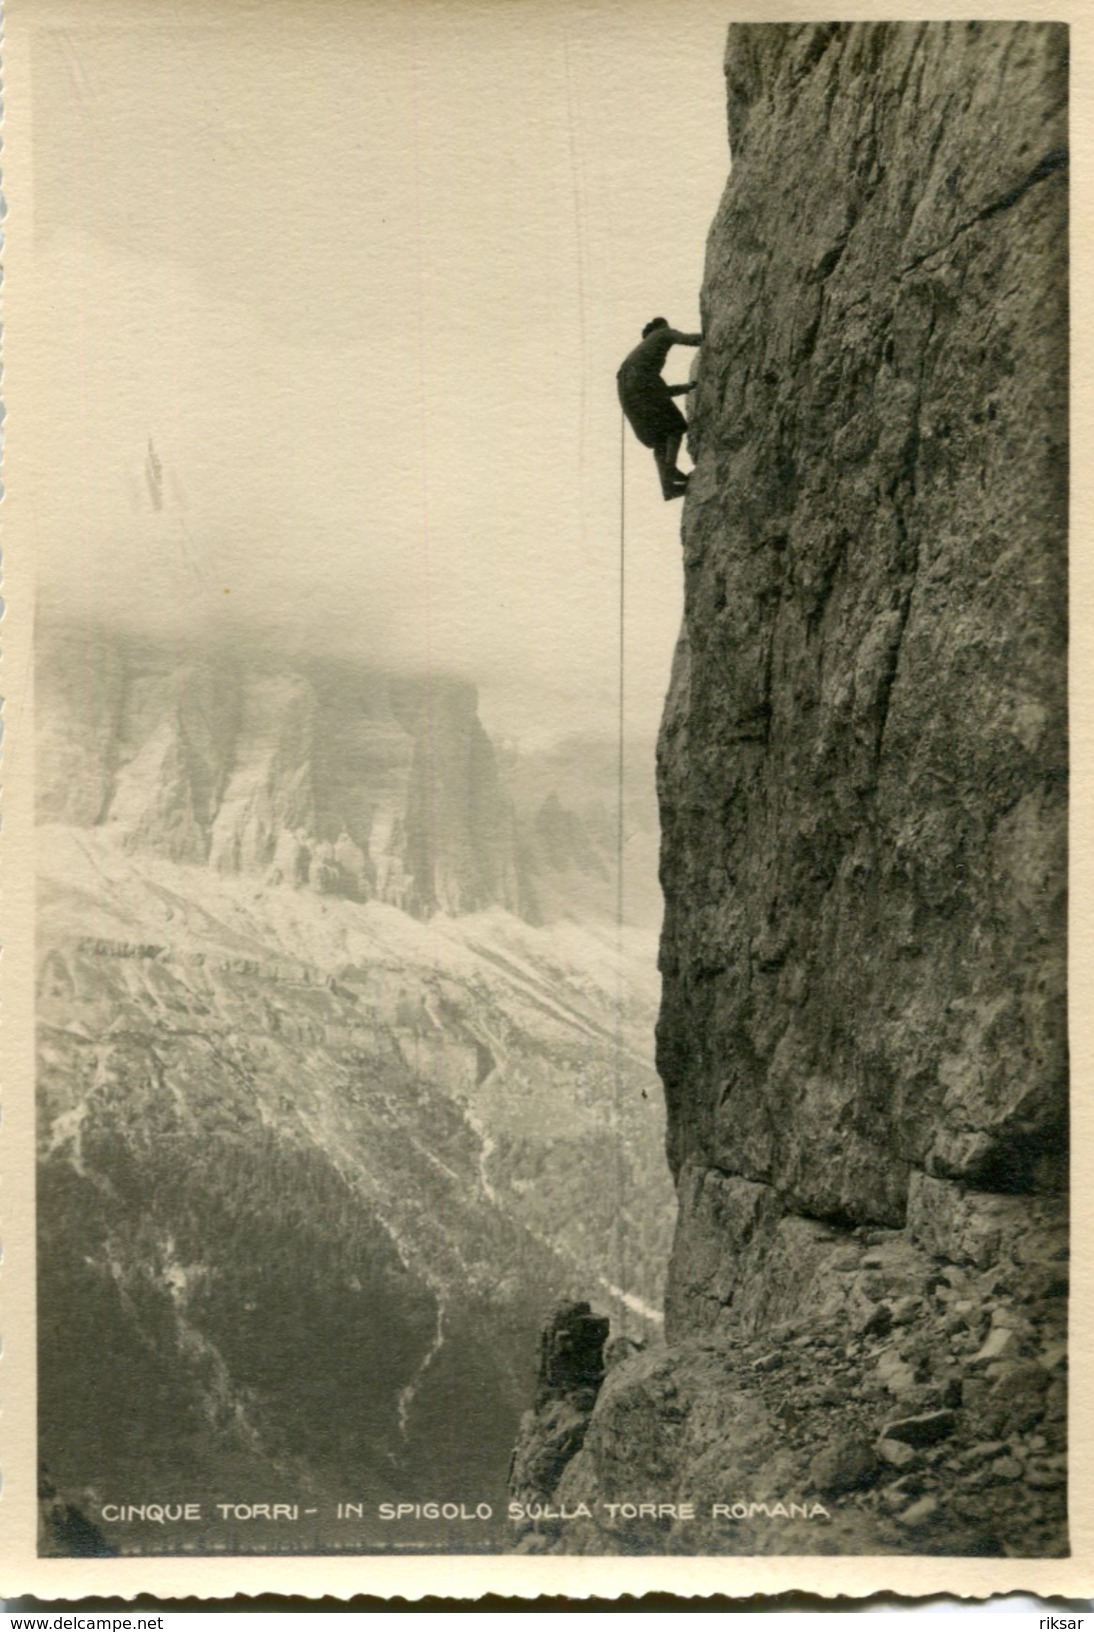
(21, 1571)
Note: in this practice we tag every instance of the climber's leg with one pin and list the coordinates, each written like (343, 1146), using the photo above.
(672, 453)
(673, 484)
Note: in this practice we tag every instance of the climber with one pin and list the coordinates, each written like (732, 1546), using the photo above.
(647, 400)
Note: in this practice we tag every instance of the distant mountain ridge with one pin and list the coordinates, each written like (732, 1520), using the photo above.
(341, 778)
(345, 779)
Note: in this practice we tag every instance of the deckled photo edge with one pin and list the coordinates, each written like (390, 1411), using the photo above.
(23, 1570)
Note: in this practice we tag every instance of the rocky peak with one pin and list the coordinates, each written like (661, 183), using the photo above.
(331, 776)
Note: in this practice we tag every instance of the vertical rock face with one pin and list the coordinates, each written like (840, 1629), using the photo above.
(346, 780)
(862, 763)
(460, 840)
(333, 776)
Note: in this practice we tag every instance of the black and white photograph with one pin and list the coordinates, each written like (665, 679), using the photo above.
(550, 544)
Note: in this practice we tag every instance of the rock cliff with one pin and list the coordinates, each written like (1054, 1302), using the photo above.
(336, 777)
(862, 774)
(863, 762)
(351, 781)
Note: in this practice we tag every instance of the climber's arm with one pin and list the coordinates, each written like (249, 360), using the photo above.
(679, 339)
(681, 390)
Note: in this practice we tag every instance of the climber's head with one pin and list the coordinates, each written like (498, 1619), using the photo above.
(655, 323)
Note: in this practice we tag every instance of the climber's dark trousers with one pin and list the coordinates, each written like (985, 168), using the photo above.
(665, 458)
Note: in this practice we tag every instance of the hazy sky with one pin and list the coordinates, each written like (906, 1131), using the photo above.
(342, 288)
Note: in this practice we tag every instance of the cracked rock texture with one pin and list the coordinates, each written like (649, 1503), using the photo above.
(332, 776)
(863, 761)
(910, 1405)
(862, 775)
(345, 780)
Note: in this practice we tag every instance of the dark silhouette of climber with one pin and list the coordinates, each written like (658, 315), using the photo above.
(647, 400)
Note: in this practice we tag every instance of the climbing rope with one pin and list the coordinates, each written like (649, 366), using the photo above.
(622, 605)
(620, 1155)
